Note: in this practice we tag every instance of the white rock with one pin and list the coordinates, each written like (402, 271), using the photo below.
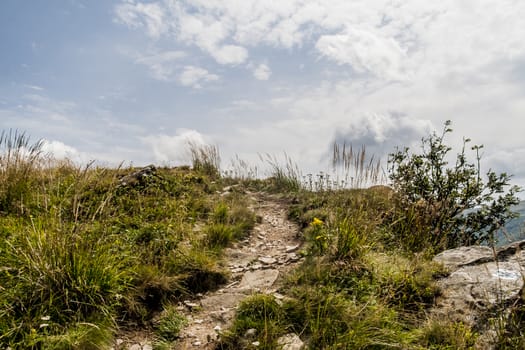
(250, 333)
(290, 342)
(292, 248)
(190, 304)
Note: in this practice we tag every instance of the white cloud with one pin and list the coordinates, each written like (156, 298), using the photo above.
(382, 133)
(174, 149)
(34, 87)
(229, 54)
(142, 15)
(393, 40)
(60, 150)
(365, 52)
(162, 65)
(194, 76)
(262, 72)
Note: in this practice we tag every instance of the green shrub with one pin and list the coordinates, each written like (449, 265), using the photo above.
(443, 207)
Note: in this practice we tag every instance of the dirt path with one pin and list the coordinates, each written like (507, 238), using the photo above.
(255, 264)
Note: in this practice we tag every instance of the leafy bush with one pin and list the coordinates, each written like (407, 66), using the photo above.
(443, 207)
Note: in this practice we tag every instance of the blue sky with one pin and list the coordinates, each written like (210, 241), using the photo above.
(134, 81)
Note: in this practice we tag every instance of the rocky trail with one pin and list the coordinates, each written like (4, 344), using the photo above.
(257, 265)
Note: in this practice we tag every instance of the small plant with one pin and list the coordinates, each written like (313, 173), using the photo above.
(263, 314)
(444, 207)
(319, 237)
(170, 324)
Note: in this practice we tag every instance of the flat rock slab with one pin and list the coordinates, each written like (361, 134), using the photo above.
(221, 301)
(259, 279)
(454, 258)
(482, 283)
(483, 286)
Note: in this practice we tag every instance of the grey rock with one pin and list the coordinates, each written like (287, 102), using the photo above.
(135, 347)
(454, 258)
(138, 177)
(479, 287)
(147, 347)
(260, 279)
(290, 342)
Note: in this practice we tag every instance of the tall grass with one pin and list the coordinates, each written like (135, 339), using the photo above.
(284, 176)
(20, 162)
(205, 158)
(359, 169)
(53, 282)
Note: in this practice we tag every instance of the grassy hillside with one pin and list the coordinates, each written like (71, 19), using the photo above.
(86, 252)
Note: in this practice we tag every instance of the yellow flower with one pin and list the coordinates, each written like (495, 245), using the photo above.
(316, 222)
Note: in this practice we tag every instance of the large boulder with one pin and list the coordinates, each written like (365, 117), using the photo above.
(483, 282)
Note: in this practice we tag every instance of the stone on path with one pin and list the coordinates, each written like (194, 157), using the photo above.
(259, 279)
(267, 260)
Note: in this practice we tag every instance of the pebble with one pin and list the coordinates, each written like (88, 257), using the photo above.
(256, 267)
(292, 248)
(250, 333)
(267, 260)
(190, 304)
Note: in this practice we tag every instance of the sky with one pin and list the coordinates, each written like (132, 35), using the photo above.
(134, 81)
